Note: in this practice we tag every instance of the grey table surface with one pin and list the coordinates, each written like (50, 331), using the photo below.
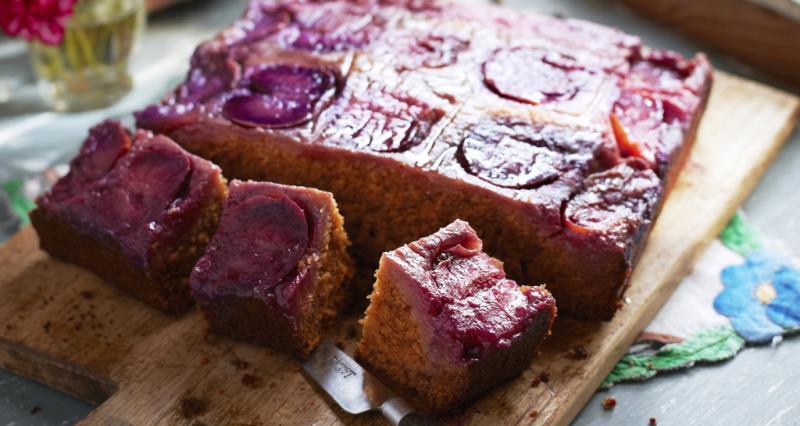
(759, 387)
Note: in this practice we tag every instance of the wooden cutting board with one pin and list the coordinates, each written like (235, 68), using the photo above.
(61, 325)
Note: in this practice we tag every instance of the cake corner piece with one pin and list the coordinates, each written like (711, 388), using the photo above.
(277, 269)
(137, 210)
(446, 325)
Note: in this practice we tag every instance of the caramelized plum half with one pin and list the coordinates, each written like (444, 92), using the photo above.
(662, 70)
(381, 121)
(121, 192)
(534, 76)
(615, 201)
(464, 291)
(259, 21)
(264, 236)
(427, 51)
(636, 120)
(140, 187)
(106, 143)
(522, 155)
(212, 71)
(282, 96)
(163, 118)
(333, 26)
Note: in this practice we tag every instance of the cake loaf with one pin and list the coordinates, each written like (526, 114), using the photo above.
(556, 139)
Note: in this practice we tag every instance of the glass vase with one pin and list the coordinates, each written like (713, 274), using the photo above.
(89, 69)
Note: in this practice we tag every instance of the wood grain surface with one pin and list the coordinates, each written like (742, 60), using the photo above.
(63, 326)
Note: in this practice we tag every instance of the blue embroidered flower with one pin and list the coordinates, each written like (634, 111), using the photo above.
(785, 308)
(761, 297)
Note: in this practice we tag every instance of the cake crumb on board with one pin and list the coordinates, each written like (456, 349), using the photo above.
(193, 407)
(578, 353)
(544, 377)
(239, 363)
(251, 381)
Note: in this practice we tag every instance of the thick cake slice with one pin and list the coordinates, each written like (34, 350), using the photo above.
(276, 270)
(139, 213)
(446, 324)
(557, 139)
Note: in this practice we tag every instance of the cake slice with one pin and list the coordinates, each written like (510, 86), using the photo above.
(276, 270)
(136, 211)
(446, 324)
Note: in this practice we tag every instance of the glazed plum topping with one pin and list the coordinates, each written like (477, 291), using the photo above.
(438, 51)
(415, 5)
(508, 161)
(465, 292)
(333, 26)
(259, 21)
(141, 188)
(458, 272)
(534, 76)
(259, 242)
(282, 96)
(426, 51)
(593, 44)
(165, 118)
(381, 121)
(265, 111)
(524, 156)
(123, 194)
(660, 70)
(106, 143)
(615, 201)
(640, 119)
(636, 121)
(212, 71)
(491, 317)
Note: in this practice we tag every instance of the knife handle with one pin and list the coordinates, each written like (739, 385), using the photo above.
(399, 413)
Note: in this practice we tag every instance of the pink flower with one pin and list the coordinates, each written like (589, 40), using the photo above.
(43, 20)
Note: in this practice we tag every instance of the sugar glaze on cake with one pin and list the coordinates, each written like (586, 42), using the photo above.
(277, 270)
(137, 210)
(446, 324)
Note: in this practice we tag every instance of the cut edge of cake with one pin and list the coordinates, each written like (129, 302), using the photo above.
(161, 278)
(246, 316)
(401, 348)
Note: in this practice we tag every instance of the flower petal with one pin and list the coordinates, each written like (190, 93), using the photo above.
(755, 326)
(785, 308)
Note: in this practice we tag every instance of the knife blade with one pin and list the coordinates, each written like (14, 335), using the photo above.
(356, 390)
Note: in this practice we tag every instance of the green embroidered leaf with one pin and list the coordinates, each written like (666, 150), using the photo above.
(740, 236)
(20, 204)
(712, 345)
(630, 368)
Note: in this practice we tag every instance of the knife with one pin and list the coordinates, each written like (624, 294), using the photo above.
(356, 390)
